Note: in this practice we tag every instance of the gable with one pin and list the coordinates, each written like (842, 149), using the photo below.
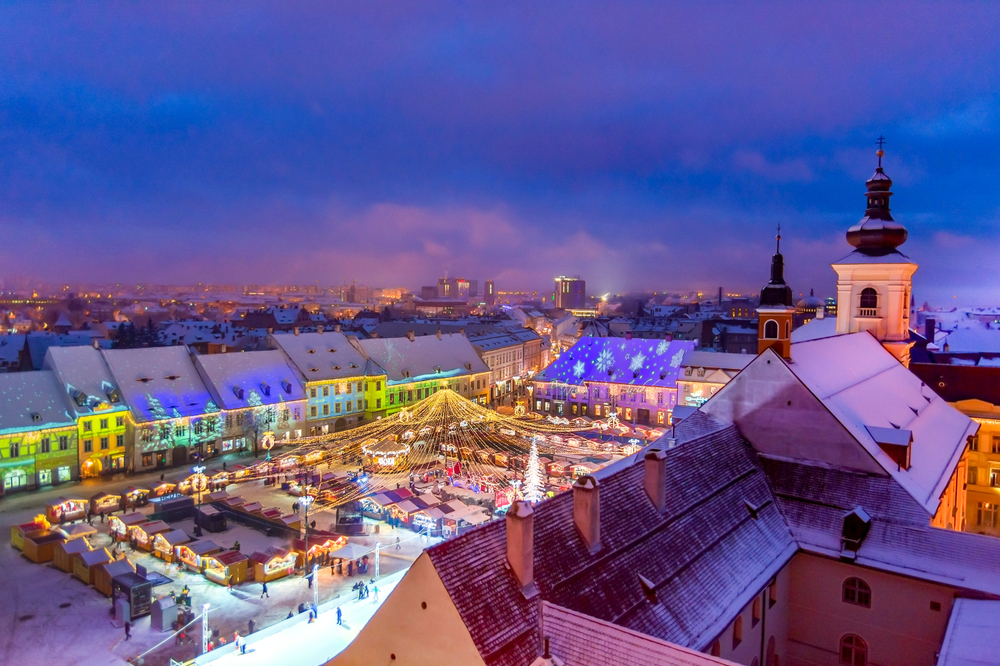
(780, 417)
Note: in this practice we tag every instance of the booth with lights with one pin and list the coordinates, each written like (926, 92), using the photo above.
(230, 566)
(65, 509)
(120, 525)
(193, 554)
(272, 564)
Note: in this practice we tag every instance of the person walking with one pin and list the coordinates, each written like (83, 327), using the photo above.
(128, 630)
(315, 611)
(397, 543)
(375, 590)
(340, 616)
(263, 592)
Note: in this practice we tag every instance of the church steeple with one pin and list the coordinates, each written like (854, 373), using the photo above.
(774, 327)
(776, 292)
(877, 234)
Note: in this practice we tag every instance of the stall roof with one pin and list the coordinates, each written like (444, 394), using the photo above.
(118, 567)
(203, 547)
(351, 551)
(48, 536)
(130, 519)
(78, 530)
(76, 546)
(229, 557)
(175, 537)
(154, 527)
(94, 557)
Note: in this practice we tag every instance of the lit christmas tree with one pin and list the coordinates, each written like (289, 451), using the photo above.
(533, 476)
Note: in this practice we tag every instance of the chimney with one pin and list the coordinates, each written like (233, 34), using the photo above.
(295, 330)
(628, 335)
(655, 477)
(587, 511)
(222, 349)
(319, 328)
(521, 545)
(410, 336)
(461, 331)
(438, 334)
(929, 327)
(336, 328)
(96, 344)
(270, 331)
(820, 312)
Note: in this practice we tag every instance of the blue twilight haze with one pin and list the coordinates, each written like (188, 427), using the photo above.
(640, 145)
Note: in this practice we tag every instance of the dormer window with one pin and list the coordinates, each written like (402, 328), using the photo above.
(265, 389)
(238, 392)
(172, 377)
(114, 397)
(80, 398)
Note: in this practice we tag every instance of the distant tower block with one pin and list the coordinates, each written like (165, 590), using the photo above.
(874, 282)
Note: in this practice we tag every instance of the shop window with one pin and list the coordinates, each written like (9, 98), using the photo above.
(63, 442)
(45, 445)
(104, 443)
(44, 477)
(147, 459)
(857, 592)
(853, 651)
(15, 478)
(63, 473)
(737, 631)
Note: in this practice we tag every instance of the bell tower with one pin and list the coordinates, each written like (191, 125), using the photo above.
(874, 282)
(774, 328)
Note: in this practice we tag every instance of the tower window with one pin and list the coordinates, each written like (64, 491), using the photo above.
(771, 330)
(869, 299)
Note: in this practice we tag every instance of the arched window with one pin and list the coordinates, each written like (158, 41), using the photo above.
(755, 662)
(770, 659)
(857, 592)
(716, 649)
(788, 329)
(755, 618)
(853, 651)
(737, 631)
(869, 298)
(771, 330)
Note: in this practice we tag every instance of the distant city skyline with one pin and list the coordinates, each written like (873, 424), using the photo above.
(639, 146)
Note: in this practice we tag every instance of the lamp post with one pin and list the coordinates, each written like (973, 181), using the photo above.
(205, 632)
(199, 479)
(304, 502)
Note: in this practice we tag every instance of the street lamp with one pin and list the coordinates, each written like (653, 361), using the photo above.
(304, 502)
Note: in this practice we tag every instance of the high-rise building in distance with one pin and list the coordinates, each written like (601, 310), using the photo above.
(489, 293)
(571, 293)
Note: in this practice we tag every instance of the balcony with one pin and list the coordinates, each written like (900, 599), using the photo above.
(868, 312)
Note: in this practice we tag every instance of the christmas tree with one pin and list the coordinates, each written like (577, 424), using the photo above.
(533, 476)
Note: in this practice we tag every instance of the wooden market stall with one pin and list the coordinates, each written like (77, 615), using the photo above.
(86, 563)
(104, 574)
(218, 480)
(65, 509)
(230, 566)
(254, 508)
(120, 525)
(18, 532)
(163, 488)
(134, 496)
(319, 548)
(143, 533)
(193, 553)
(209, 518)
(77, 531)
(65, 552)
(105, 503)
(233, 502)
(272, 564)
(165, 544)
(292, 520)
(386, 455)
(40, 546)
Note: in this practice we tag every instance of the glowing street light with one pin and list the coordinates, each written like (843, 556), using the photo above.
(304, 502)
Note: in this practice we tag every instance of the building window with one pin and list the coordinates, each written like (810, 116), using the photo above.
(88, 426)
(120, 421)
(974, 442)
(88, 445)
(994, 477)
(45, 445)
(995, 444)
(392, 398)
(326, 409)
(312, 411)
(104, 424)
(973, 477)
(986, 514)
(312, 393)
(62, 473)
(857, 592)
(378, 386)
(15, 478)
(326, 391)
(350, 405)
(853, 651)
(63, 442)
(104, 443)
(755, 612)
(771, 330)
(716, 649)
(378, 403)
(772, 594)
(737, 631)
(869, 302)
(337, 408)
(120, 441)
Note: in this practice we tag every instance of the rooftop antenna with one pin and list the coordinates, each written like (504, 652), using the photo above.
(881, 142)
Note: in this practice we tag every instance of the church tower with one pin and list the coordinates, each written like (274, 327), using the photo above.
(874, 282)
(774, 328)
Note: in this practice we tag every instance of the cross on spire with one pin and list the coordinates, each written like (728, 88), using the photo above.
(881, 142)
(777, 245)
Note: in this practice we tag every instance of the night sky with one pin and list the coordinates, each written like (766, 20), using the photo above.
(638, 145)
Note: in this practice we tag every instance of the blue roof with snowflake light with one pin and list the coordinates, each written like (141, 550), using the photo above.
(639, 362)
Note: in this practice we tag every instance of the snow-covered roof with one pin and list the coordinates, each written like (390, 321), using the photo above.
(857, 257)
(428, 357)
(189, 332)
(639, 362)
(495, 341)
(971, 636)
(862, 384)
(86, 381)
(39, 343)
(159, 383)
(10, 348)
(249, 379)
(321, 356)
(31, 401)
(978, 339)
(721, 360)
(815, 329)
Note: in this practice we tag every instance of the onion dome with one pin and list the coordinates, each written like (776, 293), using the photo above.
(810, 302)
(776, 292)
(877, 233)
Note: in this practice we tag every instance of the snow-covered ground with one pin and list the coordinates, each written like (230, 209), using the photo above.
(296, 641)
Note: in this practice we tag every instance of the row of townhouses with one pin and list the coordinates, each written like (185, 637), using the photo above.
(91, 411)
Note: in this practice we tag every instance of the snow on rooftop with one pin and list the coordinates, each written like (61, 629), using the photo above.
(971, 636)
(636, 361)
(82, 369)
(863, 385)
(25, 394)
(815, 329)
(424, 357)
(249, 379)
(321, 356)
(721, 360)
(159, 382)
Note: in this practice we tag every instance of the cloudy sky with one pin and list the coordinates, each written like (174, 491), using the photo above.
(640, 145)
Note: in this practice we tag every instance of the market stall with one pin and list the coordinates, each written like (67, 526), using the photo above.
(133, 497)
(233, 502)
(209, 518)
(292, 520)
(19, 532)
(404, 511)
(230, 566)
(105, 503)
(120, 525)
(102, 576)
(377, 505)
(272, 564)
(462, 519)
(218, 480)
(193, 553)
(194, 483)
(40, 546)
(76, 531)
(65, 509)
(386, 455)
(254, 508)
(143, 533)
(86, 563)
(65, 552)
(165, 543)
(163, 488)
(350, 553)
(319, 549)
